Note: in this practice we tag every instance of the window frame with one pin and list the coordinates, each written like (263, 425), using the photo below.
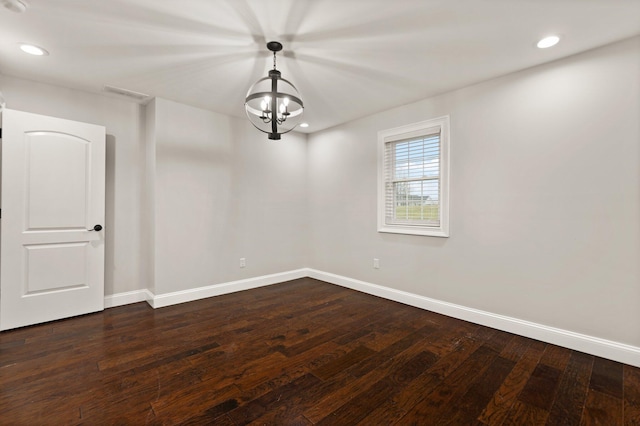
(422, 128)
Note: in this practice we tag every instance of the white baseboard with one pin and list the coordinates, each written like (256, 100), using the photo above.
(592, 345)
(126, 298)
(167, 299)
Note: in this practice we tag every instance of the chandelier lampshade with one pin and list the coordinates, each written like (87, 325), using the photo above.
(273, 103)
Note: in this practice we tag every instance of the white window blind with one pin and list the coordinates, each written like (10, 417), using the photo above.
(413, 189)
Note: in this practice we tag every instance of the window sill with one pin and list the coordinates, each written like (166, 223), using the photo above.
(414, 230)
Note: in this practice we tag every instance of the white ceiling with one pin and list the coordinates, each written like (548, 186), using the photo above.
(348, 58)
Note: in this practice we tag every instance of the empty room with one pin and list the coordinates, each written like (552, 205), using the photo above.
(336, 212)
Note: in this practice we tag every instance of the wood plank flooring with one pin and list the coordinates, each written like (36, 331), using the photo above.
(299, 353)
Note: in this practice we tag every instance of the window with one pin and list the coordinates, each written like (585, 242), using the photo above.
(413, 179)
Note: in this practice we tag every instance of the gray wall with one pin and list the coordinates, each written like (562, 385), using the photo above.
(545, 205)
(188, 191)
(224, 191)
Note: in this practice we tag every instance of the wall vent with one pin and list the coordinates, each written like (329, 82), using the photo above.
(140, 97)
(16, 6)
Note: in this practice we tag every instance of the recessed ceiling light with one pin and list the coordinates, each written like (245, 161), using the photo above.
(548, 42)
(33, 49)
(304, 125)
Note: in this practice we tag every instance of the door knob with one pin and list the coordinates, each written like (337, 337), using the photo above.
(96, 228)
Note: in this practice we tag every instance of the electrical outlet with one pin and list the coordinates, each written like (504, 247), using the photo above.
(243, 262)
(376, 263)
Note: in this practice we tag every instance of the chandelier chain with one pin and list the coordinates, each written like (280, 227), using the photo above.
(274, 60)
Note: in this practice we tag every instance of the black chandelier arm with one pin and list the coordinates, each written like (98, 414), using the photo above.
(280, 119)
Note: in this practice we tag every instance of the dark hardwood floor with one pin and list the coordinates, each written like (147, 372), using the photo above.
(301, 352)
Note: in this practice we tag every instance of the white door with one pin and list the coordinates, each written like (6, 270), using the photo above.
(51, 259)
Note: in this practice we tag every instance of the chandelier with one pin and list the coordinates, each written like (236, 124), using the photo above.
(273, 104)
